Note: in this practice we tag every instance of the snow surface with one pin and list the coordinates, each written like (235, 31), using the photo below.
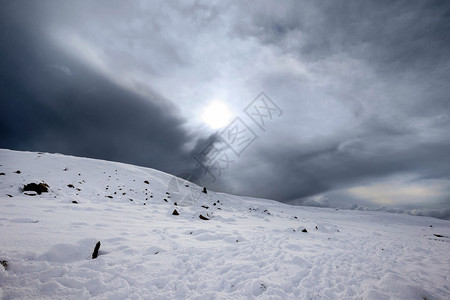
(250, 248)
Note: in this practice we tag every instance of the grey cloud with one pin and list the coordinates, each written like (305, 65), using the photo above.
(396, 33)
(395, 98)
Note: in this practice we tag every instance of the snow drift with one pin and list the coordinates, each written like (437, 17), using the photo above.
(241, 248)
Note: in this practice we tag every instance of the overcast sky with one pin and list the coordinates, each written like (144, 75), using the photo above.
(355, 109)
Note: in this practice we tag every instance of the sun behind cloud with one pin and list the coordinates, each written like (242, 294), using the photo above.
(217, 115)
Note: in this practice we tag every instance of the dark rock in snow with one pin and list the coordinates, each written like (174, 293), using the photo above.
(17, 172)
(4, 263)
(71, 186)
(204, 190)
(146, 181)
(2, 174)
(9, 195)
(75, 202)
(39, 188)
(97, 247)
(304, 230)
(175, 213)
(203, 218)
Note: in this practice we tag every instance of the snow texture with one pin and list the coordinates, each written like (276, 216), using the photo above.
(248, 248)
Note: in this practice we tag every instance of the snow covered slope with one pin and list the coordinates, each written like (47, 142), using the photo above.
(249, 248)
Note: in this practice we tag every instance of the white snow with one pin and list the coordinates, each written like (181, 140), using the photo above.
(250, 248)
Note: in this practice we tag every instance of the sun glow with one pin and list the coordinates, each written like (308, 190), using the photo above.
(217, 115)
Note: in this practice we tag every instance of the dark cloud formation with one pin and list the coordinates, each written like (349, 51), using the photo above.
(52, 102)
(363, 87)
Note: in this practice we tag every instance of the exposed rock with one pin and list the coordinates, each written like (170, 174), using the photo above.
(39, 188)
(203, 218)
(4, 263)
(97, 247)
(30, 193)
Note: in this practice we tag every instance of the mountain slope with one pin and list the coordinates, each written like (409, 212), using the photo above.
(248, 248)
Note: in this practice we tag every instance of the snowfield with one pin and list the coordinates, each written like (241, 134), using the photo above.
(243, 248)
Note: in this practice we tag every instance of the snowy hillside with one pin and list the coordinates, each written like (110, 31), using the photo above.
(241, 248)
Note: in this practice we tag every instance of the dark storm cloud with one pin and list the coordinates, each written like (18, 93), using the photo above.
(52, 102)
(349, 163)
